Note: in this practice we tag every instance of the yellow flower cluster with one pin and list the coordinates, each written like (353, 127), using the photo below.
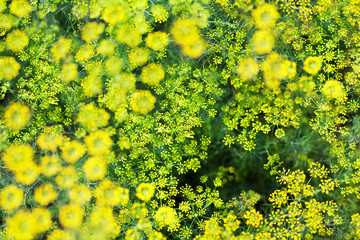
(185, 33)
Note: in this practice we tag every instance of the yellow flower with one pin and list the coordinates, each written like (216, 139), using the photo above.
(95, 168)
(265, 16)
(109, 194)
(139, 56)
(20, 226)
(84, 53)
(11, 197)
(50, 165)
(17, 115)
(71, 216)
(67, 177)
(9, 68)
(92, 31)
(92, 85)
(195, 49)
(334, 89)
(152, 74)
(16, 41)
(312, 65)
(248, 68)
(167, 216)
(49, 141)
(157, 40)
(80, 194)
(42, 219)
(92, 117)
(263, 41)
(114, 65)
(103, 223)
(98, 142)
(128, 35)
(45, 194)
(20, 8)
(28, 173)
(59, 234)
(145, 191)
(69, 72)
(61, 49)
(142, 102)
(16, 156)
(275, 68)
(253, 218)
(124, 81)
(114, 14)
(184, 31)
(72, 151)
(159, 12)
(7, 21)
(106, 47)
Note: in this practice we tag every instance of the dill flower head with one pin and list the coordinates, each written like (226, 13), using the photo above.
(98, 142)
(248, 68)
(145, 191)
(42, 219)
(45, 194)
(114, 65)
(79, 194)
(72, 151)
(95, 168)
(16, 156)
(59, 234)
(50, 165)
(61, 49)
(109, 194)
(142, 102)
(20, 8)
(129, 35)
(9, 68)
(139, 56)
(263, 41)
(21, 225)
(103, 223)
(92, 86)
(84, 53)
(16, 41)
(114, 14)
(49, 141)
(92, 31)
(17, 116)
(334, 89)
(71, 216)
(124, 81)
(159, 12)
(69, 72)
(312, 65)
(27, 173)
(7, 21)
(184, 31)
(253, 218)
(167, 216)
(265, 16)
(152, 74)
(275, 68)
(157, 40)
(92, 117)
(67, 177)
(11, 197)
(105, 47)
(194, 49)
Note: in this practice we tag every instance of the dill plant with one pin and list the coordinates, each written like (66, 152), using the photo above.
(206, 119)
